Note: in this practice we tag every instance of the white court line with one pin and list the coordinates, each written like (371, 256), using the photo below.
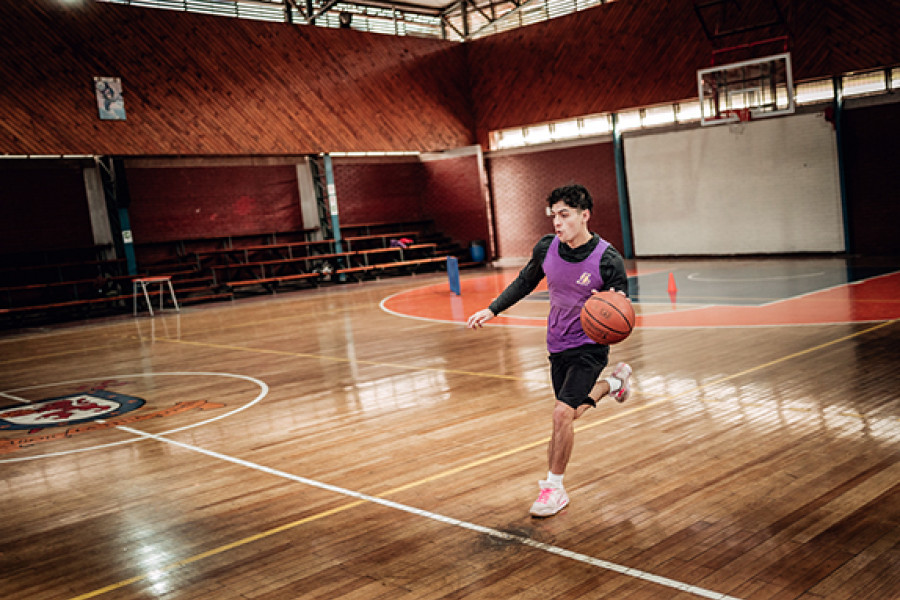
(15, 398)
(590, 560)
(264, 390)
(697, 277)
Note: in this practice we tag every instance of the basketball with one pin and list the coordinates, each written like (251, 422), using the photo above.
(607, 317)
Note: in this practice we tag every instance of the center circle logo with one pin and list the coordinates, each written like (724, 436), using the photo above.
(68, 410)
(95, 407)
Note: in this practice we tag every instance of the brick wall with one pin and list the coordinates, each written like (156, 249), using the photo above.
(454, 199)
(174, 203)
(371, 192)
(521, 182)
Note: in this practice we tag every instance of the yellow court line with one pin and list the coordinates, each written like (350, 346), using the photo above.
(599, 422)
(342, 359)
(220, 549)
(448, 472)
(41, 357)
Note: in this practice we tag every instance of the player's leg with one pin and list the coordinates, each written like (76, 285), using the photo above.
(563, 438)
(573, 376)
(617, 385)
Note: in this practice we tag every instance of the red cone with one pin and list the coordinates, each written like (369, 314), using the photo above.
(673, 289)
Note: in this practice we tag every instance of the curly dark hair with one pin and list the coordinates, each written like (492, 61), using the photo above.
(575, 196)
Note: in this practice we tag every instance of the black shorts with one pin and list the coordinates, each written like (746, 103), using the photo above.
(575, 371)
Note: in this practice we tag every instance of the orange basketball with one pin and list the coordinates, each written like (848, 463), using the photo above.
(607, 317)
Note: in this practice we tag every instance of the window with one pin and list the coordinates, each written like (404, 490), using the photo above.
(859, 84)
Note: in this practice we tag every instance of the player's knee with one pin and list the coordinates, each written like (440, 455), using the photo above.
(563, 415)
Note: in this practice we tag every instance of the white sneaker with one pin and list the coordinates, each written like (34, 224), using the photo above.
(550, 501)
(622, 372)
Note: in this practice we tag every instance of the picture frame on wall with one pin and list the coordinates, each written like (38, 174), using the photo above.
(110, 102)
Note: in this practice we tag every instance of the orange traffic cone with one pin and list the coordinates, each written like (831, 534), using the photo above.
(673, 289)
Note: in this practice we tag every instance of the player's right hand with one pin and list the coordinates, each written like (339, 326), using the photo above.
(478, 320)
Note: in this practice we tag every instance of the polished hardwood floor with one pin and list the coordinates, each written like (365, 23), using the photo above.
(323, 444)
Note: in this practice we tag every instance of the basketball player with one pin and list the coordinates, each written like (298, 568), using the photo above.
(575, 262)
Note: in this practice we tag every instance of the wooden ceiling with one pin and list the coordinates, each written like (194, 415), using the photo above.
(204, 85)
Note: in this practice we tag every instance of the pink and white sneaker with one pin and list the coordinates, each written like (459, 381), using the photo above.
(550, 501)
(622, 372)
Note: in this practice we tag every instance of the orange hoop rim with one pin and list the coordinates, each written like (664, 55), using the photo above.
(743, 114)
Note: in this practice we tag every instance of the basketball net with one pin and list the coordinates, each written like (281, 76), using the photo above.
(743, 117)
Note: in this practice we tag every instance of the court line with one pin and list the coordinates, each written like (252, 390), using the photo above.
(696, 306)
(598, 422)
(15, 398)
(696, 277)
(362, 498)
(343, 359)
(264, 391)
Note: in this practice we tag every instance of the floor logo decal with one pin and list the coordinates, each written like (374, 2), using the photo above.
(42, 423)
(68, 410)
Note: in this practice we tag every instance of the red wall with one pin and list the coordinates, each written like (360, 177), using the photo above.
(370, 192)
(175, 203)
(522, 181)
(42, 207)
(870, 137)
(455, 200)
(447, 191)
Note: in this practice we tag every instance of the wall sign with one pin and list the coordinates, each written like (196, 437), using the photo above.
(110, 102)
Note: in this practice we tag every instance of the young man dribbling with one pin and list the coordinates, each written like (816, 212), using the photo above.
(576, 262)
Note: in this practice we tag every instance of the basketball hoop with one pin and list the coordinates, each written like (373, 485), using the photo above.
(742, 115)
(754, 88)
(736, 119)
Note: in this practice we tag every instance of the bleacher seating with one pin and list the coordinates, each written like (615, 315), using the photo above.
(34, 289)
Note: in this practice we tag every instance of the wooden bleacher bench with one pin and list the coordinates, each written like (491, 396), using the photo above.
(204, 279)
(369, 228)
(85, 303)
(188, 247)
(412, 263)
(60, 284)
(219, 270)
(423, 246)
(38, 274)
(273, 249)
(378, 254)
(267, 281)
(357, 272)
(125, 298)
(60, 292)
(384, 238)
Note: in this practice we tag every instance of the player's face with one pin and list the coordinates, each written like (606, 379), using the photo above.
(570, 224)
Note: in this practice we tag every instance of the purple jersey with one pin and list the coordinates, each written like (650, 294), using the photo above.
(570, 285)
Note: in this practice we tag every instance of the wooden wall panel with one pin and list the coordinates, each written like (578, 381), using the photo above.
(628, 54)
(833, 37)
(203, 85)
(608, 58)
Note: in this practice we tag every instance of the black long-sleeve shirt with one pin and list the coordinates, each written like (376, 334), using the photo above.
(612, 269)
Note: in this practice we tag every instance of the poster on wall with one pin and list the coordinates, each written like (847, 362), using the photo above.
(110, 102)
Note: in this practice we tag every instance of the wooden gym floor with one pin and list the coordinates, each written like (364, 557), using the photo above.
(358, 442)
